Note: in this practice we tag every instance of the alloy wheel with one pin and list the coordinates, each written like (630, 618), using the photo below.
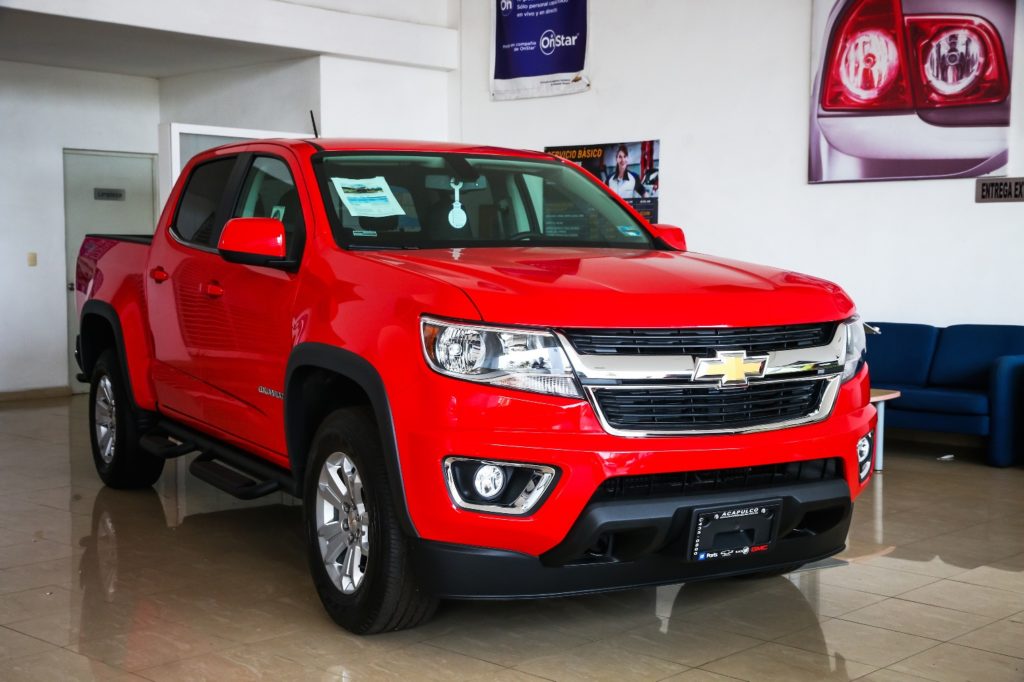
(105, 419)
(342, 522)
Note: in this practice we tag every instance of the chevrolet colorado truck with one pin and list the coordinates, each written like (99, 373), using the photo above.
(484, 375)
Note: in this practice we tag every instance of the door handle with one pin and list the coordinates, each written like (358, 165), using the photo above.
(212, 289)
(159, 275)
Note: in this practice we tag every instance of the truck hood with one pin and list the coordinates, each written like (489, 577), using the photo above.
(586, 287)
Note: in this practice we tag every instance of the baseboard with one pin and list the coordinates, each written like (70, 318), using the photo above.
(35, 394)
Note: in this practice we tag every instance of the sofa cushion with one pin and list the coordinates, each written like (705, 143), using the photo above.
(902, 353)
(944, 400)
(966, 353)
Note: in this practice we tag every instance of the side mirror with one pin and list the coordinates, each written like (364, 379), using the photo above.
(671, 236)
(252, 241)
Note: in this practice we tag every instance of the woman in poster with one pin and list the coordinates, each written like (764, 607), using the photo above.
(622, 181)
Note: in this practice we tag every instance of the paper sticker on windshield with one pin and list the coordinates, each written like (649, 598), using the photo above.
(367, 197)
(630, 231)
(364, 233)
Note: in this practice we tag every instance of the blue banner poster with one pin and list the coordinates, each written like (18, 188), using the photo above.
(539, 48)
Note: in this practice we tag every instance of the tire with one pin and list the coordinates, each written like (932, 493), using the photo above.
(119, 459)
(361, 564)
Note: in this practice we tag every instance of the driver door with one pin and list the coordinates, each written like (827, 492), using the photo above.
(254, 307)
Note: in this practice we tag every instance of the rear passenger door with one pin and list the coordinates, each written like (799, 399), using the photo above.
(182, 323)
(255, 310)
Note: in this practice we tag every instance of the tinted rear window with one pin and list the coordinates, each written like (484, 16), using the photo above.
(197, 212)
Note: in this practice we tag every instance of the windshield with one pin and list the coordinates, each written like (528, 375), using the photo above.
(452, 200)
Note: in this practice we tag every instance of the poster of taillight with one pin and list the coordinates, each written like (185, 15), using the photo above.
(910, 89)
(630, 169)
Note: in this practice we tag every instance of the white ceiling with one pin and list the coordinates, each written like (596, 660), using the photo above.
(96, 46)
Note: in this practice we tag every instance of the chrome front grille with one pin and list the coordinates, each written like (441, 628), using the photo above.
(647, 383)
(700, 407)
(699, 341)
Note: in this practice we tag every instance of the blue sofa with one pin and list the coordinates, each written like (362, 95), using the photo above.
(967, 378)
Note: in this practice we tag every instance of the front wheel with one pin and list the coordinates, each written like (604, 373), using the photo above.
(358, 555)
(115, 429)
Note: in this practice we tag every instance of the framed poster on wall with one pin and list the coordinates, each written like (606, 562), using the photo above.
(902, 94)
(538, 48)
(630, 169)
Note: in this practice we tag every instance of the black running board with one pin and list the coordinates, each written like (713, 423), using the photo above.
(162, 446)
(206, 468)
(228, 468)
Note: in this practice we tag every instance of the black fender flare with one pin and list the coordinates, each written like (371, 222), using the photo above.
(89, 355)
(354, 368)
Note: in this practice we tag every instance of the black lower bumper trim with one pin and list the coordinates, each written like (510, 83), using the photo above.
(462, 572)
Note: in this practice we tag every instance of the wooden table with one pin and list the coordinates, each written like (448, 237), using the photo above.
(879, 396)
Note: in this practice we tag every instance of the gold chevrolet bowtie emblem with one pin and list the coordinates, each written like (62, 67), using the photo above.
(731, 368)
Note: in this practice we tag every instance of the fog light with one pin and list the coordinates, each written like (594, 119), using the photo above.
(488, 481)
(513, 488)
(864, 450)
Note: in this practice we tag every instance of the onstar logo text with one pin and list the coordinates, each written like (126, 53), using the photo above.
(550, 41)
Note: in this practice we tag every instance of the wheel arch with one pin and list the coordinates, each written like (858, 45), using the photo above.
(100, 329)
(322, 378)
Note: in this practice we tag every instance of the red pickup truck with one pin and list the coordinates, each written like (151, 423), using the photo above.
(483, 373)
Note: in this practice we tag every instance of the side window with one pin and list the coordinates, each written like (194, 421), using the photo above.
(197, 211)
(269, 192)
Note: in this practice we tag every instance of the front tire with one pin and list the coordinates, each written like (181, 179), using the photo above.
(115, 429)
(358, 555)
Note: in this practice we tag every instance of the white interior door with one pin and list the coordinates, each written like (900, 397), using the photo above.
(107, 193)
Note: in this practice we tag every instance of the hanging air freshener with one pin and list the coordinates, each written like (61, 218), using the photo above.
(456, 216)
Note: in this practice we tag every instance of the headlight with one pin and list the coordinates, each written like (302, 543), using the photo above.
(856, 347)
(522, 359)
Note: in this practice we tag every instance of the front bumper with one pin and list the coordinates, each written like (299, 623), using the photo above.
(522, 427)
(814, 520)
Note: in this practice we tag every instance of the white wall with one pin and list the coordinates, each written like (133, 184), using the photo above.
(368, 99)
(44, 110)
(431, 12)
(725, 85)
(350, 97)
(274, 96)
(364, 34)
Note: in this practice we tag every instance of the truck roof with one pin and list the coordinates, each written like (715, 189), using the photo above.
(372, 145)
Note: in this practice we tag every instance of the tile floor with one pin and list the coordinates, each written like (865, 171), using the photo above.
(184, 582)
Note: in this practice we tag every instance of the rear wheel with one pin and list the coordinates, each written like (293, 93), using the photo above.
(358, 555)
(115, 429)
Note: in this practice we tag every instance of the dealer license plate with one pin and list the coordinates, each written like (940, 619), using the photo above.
(735, 531)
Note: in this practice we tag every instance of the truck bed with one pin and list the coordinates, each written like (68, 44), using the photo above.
(134, 238)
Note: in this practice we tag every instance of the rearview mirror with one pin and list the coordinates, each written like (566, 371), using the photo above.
(671, 236)
(252, 241)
